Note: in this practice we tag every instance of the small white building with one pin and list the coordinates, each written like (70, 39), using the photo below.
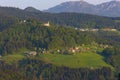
(47, 24)
(24, 21)
(94, 30)
(31, 53)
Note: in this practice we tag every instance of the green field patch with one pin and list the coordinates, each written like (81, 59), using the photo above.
(80, 60)
(15, 56)
(12, 58)
(117, 21)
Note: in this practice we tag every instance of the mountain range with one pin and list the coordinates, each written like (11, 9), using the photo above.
(110, 9)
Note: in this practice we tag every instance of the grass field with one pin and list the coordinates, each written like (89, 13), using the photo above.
(118, 21)
(80, 60)
(89, 60)
(14, 57)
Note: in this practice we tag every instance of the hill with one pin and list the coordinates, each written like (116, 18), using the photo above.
(31, 9)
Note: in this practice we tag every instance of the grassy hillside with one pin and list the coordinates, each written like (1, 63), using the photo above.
(14, 57)
(90, 60)
(87, 59)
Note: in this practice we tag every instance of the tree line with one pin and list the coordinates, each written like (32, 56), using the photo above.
(33, 69)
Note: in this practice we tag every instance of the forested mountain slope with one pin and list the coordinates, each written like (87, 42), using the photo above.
(65, 19)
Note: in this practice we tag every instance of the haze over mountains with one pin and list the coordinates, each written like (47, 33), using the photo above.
(111, 9)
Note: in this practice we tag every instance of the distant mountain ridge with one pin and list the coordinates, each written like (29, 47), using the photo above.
(111, 9)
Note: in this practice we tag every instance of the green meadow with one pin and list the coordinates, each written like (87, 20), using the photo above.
(80, 60)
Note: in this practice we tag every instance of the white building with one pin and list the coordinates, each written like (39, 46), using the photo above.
(47, 24)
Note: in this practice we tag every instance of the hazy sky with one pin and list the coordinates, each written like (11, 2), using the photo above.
(40, 4)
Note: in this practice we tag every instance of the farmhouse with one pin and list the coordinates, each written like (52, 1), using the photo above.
(31, 53)
(73, 49)
(23, 21)
(47, 24)
(94, 30)
(84, 29)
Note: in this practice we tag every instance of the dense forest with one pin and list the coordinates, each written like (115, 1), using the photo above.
(33, 69)
(64, 19)
(31, 34)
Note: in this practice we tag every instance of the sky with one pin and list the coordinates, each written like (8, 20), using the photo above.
(41, 4)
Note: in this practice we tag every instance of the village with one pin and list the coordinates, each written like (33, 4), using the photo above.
(94, 48)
